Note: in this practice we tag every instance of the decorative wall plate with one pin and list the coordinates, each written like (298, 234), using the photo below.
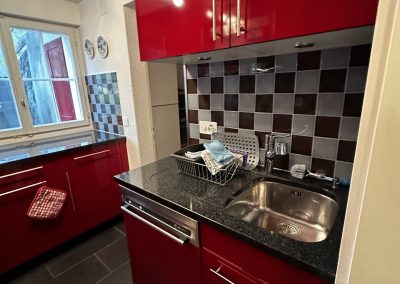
(102, 46)
(89, 49)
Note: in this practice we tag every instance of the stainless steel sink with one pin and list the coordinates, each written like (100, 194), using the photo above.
(293, 212)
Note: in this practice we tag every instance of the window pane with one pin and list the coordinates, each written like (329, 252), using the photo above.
(47, 69)
(9, 117)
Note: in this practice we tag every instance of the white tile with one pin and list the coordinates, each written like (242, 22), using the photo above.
(307, 81)
(330, 104)
(204, 85)
(247, 103)
(194, 130)
(303, 125)
(217, 102)
(231, 84)
(343, 170)
(283, 103)
(231, 119)
(263, 122)
(191, 71)
(325, 148)
(265, 83)
(193, 101)
(349, 128)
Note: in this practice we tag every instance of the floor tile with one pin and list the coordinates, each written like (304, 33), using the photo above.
(69, 258)
(38, 275)
(121, 226)
(121, 276)
(114, 255)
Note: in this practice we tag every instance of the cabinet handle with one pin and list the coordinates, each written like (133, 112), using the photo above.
(70, 192)
(165, 233)
(214, 28)
(238, 18)
(21, 172)
(22, 188)
(90, 155)
(216, 272)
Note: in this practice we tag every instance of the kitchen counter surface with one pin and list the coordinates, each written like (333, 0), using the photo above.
(205, 202)
(41, 147)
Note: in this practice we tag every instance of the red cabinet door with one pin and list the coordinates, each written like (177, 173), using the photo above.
(265, 20)
(176, 27)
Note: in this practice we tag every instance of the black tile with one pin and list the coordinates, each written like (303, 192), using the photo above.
(346, 151)
(302, 145)
(305, 103)
(281, 162)
(114, 77)
(115, 254)
(205, 136)
(115, 129)
(193, 141)
(231, 130)
(284, 82)
(106, 128)
(353, 104)
(203, 70)
(282, 123)
(231, 102)
(309, 60)
(247, 84)
(332, 80)
(113, 109)
(37, 275)
(266, 62)
(204, 101)
(191, 86)
(217, 85)
(231, 67)
(218, 117)
(327, 126)
(193, 116)
(360, 55)
(119, 119)
(122, 275)
(323, 166)
(246, 120)
(90, 270)
(261, 138)
(264, 103)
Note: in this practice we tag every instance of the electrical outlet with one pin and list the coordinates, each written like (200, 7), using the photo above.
(125, 121)
(208, 127)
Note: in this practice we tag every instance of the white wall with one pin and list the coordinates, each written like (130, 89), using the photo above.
(58, 11)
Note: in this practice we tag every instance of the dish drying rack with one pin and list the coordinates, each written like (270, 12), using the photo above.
(242, 143)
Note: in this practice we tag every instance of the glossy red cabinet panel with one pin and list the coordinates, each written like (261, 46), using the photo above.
(176, 27)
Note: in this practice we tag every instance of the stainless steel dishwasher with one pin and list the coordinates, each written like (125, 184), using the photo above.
(163, 243)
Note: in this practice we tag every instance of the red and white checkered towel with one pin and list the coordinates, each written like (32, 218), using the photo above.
(47, 203)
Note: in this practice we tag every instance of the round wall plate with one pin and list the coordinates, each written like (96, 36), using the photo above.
(89, 49)
(102, 46)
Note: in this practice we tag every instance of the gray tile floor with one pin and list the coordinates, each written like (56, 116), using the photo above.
(102, 259)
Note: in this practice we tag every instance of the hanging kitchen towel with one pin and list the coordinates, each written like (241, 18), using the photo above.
(47, 203)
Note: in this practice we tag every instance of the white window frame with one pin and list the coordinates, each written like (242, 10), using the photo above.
(28, 129)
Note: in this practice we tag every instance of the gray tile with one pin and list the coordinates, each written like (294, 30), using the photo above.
(263, 122)
(356, 79)
(283, 103)
(90, 270)
(122, 275)
(231, 84)
(204, 85)
(300, 160)
(265, 83)
(231, 119)
(343, 170)
(217, 69)
(349, 128)
(330, 104)
(325, 148)
(307, 81)
(335, 57)
(193, 101)
(194, 130)
(115, 254)
(303, 125)
(70, 258)
(37, 275)
(247, 103)
(246, 65)
(204, 115)
(217, 102)
(286, 62)
(191, 71)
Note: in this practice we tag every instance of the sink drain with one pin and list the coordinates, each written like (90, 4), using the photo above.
(289, 229)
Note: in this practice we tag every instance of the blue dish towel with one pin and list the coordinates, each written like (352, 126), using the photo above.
(218, 151)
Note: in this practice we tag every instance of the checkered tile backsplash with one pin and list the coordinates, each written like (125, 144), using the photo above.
(314, 96)
(104, 102)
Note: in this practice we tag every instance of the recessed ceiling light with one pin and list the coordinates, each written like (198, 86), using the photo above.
(204, 58)
(303, 44)
(178, 3)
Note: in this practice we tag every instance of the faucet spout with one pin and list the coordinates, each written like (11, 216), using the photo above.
(272, 149)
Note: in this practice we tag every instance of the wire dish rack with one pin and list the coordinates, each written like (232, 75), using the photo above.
(197, 168)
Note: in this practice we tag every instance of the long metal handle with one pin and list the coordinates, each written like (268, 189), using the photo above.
(214, 28)
(216, 272)
(90, 155)
(21, 172)
(22, 188)
(238, 18)
(70, 192)
(165, 233)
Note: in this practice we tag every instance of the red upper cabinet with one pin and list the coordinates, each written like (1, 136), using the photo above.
(265, 20)
(169, 28)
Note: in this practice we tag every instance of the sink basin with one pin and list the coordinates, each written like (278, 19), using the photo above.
(293, 212)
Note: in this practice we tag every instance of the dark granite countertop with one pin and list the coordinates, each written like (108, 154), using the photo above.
(41, 147)
(205, 202)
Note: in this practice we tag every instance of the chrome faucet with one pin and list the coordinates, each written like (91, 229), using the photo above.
(274, 148)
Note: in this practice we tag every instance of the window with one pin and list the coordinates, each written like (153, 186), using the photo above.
(40, 89)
